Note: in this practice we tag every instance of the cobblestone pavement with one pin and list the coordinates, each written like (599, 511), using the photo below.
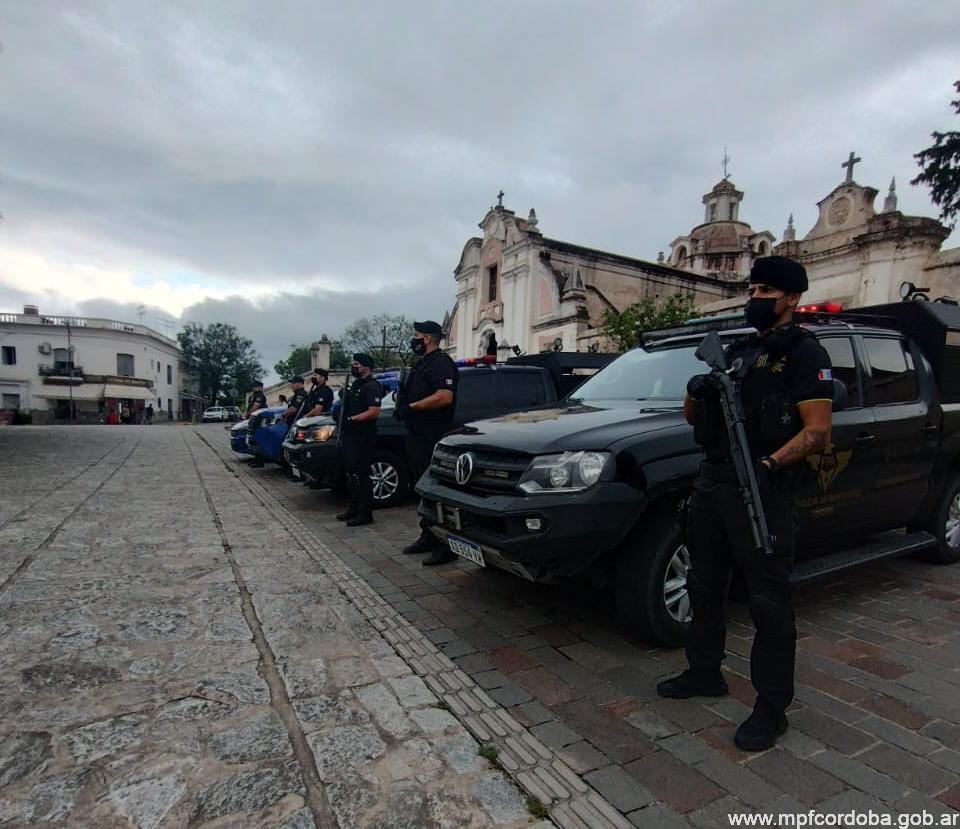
(876, 724)
(173, 654)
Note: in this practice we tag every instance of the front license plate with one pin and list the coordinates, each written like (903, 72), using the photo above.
(295, 471)
(466, 549)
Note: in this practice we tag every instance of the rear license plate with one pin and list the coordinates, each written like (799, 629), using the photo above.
(466, 549)
(295, 471)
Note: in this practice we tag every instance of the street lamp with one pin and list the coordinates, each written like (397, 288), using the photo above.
(70, 367)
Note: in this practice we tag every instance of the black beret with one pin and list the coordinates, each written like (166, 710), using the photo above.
(428, 327)
(363, 359)
(322, 372)
(297, 380)
(779, 272)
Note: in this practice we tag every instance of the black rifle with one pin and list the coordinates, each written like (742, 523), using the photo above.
(726, 378)
(401, 407)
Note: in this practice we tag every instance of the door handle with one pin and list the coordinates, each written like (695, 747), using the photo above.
(929, 430)
(865, 439)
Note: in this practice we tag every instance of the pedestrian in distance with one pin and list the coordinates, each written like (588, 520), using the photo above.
(357, 432)
(786, 390)
(426, 403)
(150, 414)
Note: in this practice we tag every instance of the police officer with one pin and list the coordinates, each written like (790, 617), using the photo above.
(358, 434)
(429, 396)
(296, 402)
(320, 398)
(787, 393)
(258, 400)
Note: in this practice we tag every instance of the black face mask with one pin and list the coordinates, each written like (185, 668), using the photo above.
(418, 346)
(355, 372)
(761, 313)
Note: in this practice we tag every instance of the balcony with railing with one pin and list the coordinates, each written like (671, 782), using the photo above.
(57, 320)
(60, 369)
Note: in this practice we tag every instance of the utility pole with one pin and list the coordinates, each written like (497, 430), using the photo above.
(70, 369)
(384, 357)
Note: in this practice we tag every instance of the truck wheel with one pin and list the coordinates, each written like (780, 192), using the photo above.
(945, 525)
(651, 590)
(389, 478)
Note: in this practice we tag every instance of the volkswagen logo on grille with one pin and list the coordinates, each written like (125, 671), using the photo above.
(464, 468)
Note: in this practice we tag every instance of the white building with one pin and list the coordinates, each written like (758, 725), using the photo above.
(101, 365)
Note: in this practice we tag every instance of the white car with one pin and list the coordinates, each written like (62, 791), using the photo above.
(216, 413)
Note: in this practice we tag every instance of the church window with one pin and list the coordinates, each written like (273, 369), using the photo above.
(731, 211)
(762, 249)
(713, 212)
(681, 254)
(492, 283)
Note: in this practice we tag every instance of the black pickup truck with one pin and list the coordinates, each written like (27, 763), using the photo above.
(484, 390)
(599, 481)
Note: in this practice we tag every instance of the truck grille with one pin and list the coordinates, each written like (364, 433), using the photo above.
(492, 471)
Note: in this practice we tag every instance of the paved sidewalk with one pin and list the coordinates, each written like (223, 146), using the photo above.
(171, 655)
(876, 724)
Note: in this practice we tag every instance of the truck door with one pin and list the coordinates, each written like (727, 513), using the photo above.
(836, 502)
(907, 428)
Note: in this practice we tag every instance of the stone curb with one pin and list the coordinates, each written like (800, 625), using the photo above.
(537, 769)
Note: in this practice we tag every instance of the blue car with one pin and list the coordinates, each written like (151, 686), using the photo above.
(266, 432)
(238, 438)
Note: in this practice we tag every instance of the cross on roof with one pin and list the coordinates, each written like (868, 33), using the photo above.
(849, 165)
(726, 161)
(500, 199)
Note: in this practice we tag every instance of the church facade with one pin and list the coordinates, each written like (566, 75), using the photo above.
(521, 291)
(857, 255)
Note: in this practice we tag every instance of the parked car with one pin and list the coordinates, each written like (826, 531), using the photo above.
(266, 431)
(599, 481)
(233, 413)
(215, 414)
(485, 390)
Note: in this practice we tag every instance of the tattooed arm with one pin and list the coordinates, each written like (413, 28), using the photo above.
(813, 438)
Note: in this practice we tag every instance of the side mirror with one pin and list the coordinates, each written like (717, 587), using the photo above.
(839, 395)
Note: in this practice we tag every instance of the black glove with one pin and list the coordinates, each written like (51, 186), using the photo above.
(703, 387)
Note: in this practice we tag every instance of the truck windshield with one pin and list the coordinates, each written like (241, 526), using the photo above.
(658, 374)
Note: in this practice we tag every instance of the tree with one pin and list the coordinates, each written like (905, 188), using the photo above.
(367, 335)
(296, 364)
(623, 329)
(224, 362)
(940, 163)
(339, 358)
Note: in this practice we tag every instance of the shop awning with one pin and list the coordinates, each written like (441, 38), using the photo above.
(128, 392)
(82, 391)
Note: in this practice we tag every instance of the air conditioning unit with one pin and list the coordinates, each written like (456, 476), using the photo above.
(44, 348)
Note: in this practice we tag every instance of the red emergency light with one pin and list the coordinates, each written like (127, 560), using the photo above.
(486, 360)
(821, 308)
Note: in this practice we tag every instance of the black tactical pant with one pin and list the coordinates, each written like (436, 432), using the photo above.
(420, 443)
(718, 539)
(357, 450)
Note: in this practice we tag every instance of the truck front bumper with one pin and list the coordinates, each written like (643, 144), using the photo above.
(317, 462)
(574, 528)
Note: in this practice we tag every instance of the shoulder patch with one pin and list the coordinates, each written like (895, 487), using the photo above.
(826, 374)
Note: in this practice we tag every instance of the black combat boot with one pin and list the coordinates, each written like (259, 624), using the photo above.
(693, 684)
(760, 730)
(360, 520)
(426, 543)
(347, 514)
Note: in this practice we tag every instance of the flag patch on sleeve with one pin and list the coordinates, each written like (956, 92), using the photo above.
(826, 374)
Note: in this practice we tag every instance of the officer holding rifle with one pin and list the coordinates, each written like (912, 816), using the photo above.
(780, 383)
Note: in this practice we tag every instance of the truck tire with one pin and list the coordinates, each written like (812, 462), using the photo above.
(390, 479)
(651, 594)
(945, 525)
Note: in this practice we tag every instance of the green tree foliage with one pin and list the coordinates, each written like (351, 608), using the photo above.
(225, 363)
(367, 335)
(339, 357)
(624, 328)
(296, 364)
(940, 163)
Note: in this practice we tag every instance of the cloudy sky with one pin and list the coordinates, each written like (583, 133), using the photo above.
(291, 166)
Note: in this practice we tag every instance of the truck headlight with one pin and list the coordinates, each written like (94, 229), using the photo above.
(568, 472)
(320, 434)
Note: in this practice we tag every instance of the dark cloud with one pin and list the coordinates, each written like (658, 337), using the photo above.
(357, 148)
